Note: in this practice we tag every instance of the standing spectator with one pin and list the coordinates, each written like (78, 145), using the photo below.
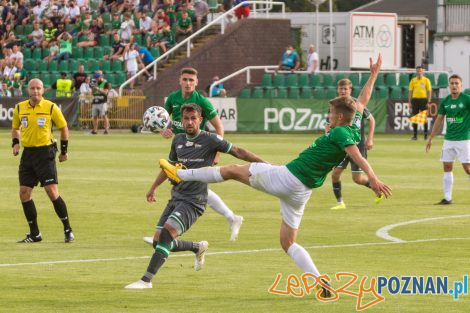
(36, 37)
(218, 90)
(146, 57)
(290, 60)
(65, 47)
(83, 5)
(99, 110)
(201, 10)
(73, 13)
(132, 58)
(7, 13)
(313, 64)
(111, 97)
(79, 77)
(32, 124)
(63, 86)
(86, 94)
(456, 110)
(419, 96)
(244, 10)
(9, 70)
(184, 26)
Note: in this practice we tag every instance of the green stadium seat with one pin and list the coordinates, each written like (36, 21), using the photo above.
(291, 80)
(69, 27)
(34, 75)
(26, 53)
(319, 93)
(46, 79)
(54, 77)
(267, 81)
(27, 29)
(354, 78)
(270, 93)
(396, 92)
(303, 80)
(138, 38)
(107, 26)
(93, 65)
(364, 78)
(257, 93)
(245, 93)
(37, 54)
(306, 93)
(53, 66)
(64, 66)
(107, 50)
(431, 77)
(105, 65)
(116, 66)
(73, 65)
(106, 17)
(294, 93)
(77, 52)
(331, 93)
(104, 40)
(339, 77)
(380, 81)
(391, 80)
(30, 65)
(404, 81)
(315, 81)
(281, 93)
(442, 80)
(46, 52)
(110, 77)
(381, 93)
(120, 78)
(327, 80)
(98, 53)
(279, 81)
(356, 91)
(42, 66)
(155, 51)
(88, 53)
(19, 30)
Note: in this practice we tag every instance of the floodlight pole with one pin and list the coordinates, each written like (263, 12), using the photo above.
(331, 36)
(317, 4)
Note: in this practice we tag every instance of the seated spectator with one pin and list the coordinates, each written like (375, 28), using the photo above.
(73, 12)
(290, 60)
(170, 10)
(160, 19)
(17, 85)
(7, 12)
(117, 51)
(83, 5)
(145, 23)
(16, 56)
(244, 10)
(36, 37)
(5, 90)
(22, 13)
(201, 10)
(9, 69)
(115, 24)
(218, 90)
(127, 28)
(37, 11)
(53, 52)
(184, 26)
(22, 72)
(65, 47)
(49, 34)
(55, 16)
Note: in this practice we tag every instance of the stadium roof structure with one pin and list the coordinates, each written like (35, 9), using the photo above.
(427, 8)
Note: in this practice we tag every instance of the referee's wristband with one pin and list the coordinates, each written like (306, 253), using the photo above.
(14, 141)
(63, 146)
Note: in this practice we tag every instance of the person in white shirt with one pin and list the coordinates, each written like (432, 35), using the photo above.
(313, 64)
(16, 56)
(145, 23)
(86, 94)
(132, 58)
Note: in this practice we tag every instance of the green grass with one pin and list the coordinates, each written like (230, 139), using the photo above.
(104, 185)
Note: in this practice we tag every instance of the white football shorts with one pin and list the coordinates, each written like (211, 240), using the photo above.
(452, 150)
(280, 182)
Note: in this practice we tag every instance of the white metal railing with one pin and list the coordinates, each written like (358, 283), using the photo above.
(264, 6)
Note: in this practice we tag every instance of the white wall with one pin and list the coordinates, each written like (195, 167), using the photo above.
(453, 56)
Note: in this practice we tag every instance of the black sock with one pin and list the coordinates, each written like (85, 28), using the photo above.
(415, 130)
(61, 211)
(31, 215)
(337, 191)
(184, 245)
(426, 128)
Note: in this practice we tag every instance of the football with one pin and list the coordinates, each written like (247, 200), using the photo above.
(156, 119)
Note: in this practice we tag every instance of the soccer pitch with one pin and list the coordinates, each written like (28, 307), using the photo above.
(104, 183)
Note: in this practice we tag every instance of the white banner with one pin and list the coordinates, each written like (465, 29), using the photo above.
(227, 108)
(371, 34)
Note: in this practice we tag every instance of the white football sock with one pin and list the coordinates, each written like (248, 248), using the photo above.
(448, 181)
(302, 259)
(214, 201)
(203, 174)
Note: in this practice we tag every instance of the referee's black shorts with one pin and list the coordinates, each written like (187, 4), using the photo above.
(38, 165)
(418, 105)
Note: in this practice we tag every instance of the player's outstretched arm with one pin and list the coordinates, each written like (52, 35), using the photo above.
(368, 88)
(435, 129)
(375, 184)
(245, 155)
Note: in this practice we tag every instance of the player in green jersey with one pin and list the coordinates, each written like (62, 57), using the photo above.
(293, 183)
(456, 110)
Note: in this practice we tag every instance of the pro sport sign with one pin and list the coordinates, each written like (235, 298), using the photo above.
(371, 34)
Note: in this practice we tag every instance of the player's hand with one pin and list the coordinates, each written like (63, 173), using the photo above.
(16, 149)
(428, 145)
(167, 133)
(151, 196)
(380, 188)
(63, 157)
(369, 144)
(375, 67)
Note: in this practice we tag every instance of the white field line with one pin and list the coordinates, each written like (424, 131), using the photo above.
(383, 232)
(352, 245)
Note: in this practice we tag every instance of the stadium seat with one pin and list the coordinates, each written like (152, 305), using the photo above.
(46, 79)
(104, 40)
(26, 53)
(364, 78)
(107, 50)
(315, 81)
(245, 93)
(106, 17)
(267, 81)
(291, 80)
(257, 93)
(155, 51)
(77, 52)
(111, 77)
(98, 53)
(281, 93)
(431, 78)
(53, 66)
(294, 93)
(105, 65)
(28, 29)
(138, 39)
(404, 81)
(93, 65)
(306, 93)
(327, 80)
(54, 77)
(37, 54)
(270, 93)
(339, 77)
(73, 65)
(279, 81)
(396, 92)
(303, 80)
(120, 78)
(319, 93)
(116, 66)
(381, 93)
(64, 66)
(356, 91)
(331, 93)
(30, 65)
(442, 80)
(354, 78)
(19, 30)
(88, 53)
(390, 80)
(42, 66)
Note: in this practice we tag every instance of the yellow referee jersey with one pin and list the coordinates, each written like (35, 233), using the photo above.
(35, 122)
(419, 87)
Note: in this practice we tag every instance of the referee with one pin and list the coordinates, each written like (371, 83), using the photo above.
(32, 121)
(419, 96)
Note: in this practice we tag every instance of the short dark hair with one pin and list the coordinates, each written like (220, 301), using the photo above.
(455, 76)
(189, 70)
(419, 66)
(191, 107)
